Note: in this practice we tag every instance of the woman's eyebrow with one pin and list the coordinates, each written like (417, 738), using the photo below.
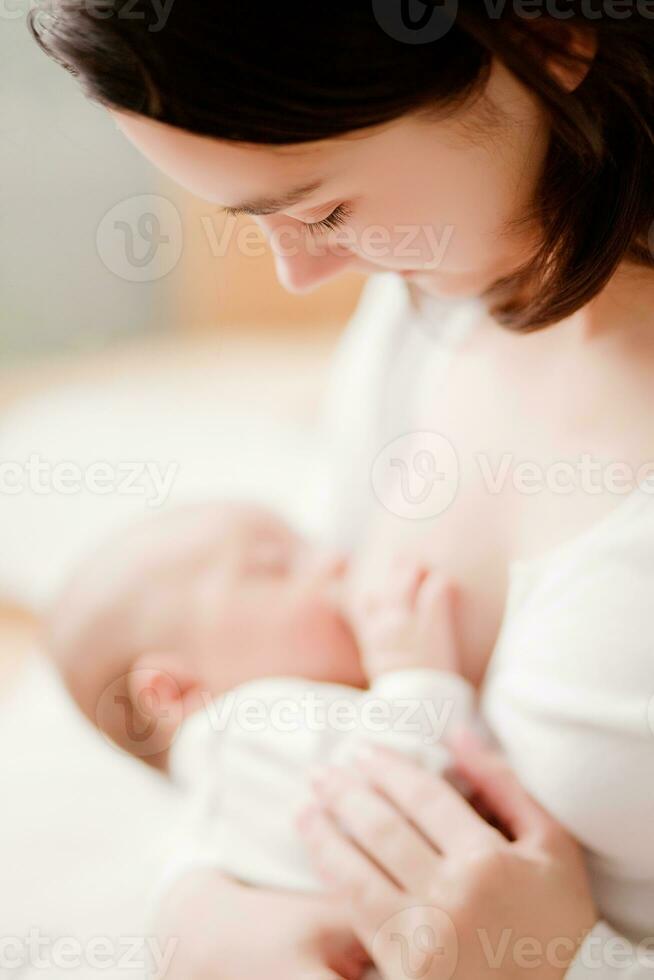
(270, 205)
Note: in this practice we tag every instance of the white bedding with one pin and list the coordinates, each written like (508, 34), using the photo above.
(81, 835)
(216, 448)
(81, 824)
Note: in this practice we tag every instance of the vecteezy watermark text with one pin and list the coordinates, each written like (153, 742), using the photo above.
(153, 13)
(417, 475)
(418, 937)
(424, 243)
(38, 951)
(148, 726)
(594, 953)
(427, 21)
(421, 717)
(141, 239)
(145, 478)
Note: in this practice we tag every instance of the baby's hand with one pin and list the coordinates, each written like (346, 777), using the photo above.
(409, 624)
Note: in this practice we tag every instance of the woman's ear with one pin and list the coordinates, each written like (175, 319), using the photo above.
(577, 47)
(582, 47)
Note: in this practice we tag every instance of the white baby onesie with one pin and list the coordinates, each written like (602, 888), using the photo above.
(244, 760)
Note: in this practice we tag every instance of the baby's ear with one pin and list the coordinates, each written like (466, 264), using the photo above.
(143, 713)
(161, 682)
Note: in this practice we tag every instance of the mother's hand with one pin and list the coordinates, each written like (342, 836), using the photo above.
(434, 890)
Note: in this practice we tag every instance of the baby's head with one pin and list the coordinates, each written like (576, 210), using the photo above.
(186, 606)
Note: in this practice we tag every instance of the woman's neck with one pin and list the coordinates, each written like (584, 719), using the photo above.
(624, 310)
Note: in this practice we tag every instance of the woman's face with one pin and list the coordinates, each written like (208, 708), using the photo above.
(432, 198)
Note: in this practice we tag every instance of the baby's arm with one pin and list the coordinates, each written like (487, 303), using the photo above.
(224, 930)
(407, 635)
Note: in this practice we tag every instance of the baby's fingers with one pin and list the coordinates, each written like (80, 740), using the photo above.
(407, 585)
(437, 597)
(436, 609)
(396, 598)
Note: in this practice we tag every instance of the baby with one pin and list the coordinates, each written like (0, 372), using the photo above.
(217, 644)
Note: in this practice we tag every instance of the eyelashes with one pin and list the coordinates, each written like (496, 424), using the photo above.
(334, 220)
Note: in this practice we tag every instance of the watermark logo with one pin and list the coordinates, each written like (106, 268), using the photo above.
(140, 239)
(415, 21)
(131, 712)
(416, 476)
(426, 21)
(417, 941)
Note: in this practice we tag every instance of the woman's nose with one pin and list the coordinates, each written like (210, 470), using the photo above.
(302, 264)
(301, 274)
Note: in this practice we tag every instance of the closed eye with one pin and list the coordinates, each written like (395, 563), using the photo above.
(269, 559)
(334, 220)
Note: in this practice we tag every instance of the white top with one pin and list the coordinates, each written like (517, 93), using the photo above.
(570, 690)
(568, 695)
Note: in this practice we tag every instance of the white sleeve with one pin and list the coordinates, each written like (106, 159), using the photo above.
(187, 848)
(411, 711)
(605, 955)
(572, 706)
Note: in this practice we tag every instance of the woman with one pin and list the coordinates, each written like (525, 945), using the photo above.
(497, 161)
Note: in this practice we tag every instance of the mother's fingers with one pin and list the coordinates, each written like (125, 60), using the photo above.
(500, 790)
(377, 828)
(432, 804)
(338, 860)
(343, 867)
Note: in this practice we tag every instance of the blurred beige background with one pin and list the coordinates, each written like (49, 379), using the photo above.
(73, 197)
(108, 271)
(126, 334)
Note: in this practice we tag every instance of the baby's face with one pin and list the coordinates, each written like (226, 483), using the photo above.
(270, 605)
(209, 597)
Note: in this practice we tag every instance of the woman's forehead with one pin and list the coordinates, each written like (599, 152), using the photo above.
(225, 172)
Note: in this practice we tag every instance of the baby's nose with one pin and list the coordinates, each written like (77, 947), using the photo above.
(331, 567)
(330, 580)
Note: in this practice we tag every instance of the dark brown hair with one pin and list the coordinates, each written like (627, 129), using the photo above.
(297, 71)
